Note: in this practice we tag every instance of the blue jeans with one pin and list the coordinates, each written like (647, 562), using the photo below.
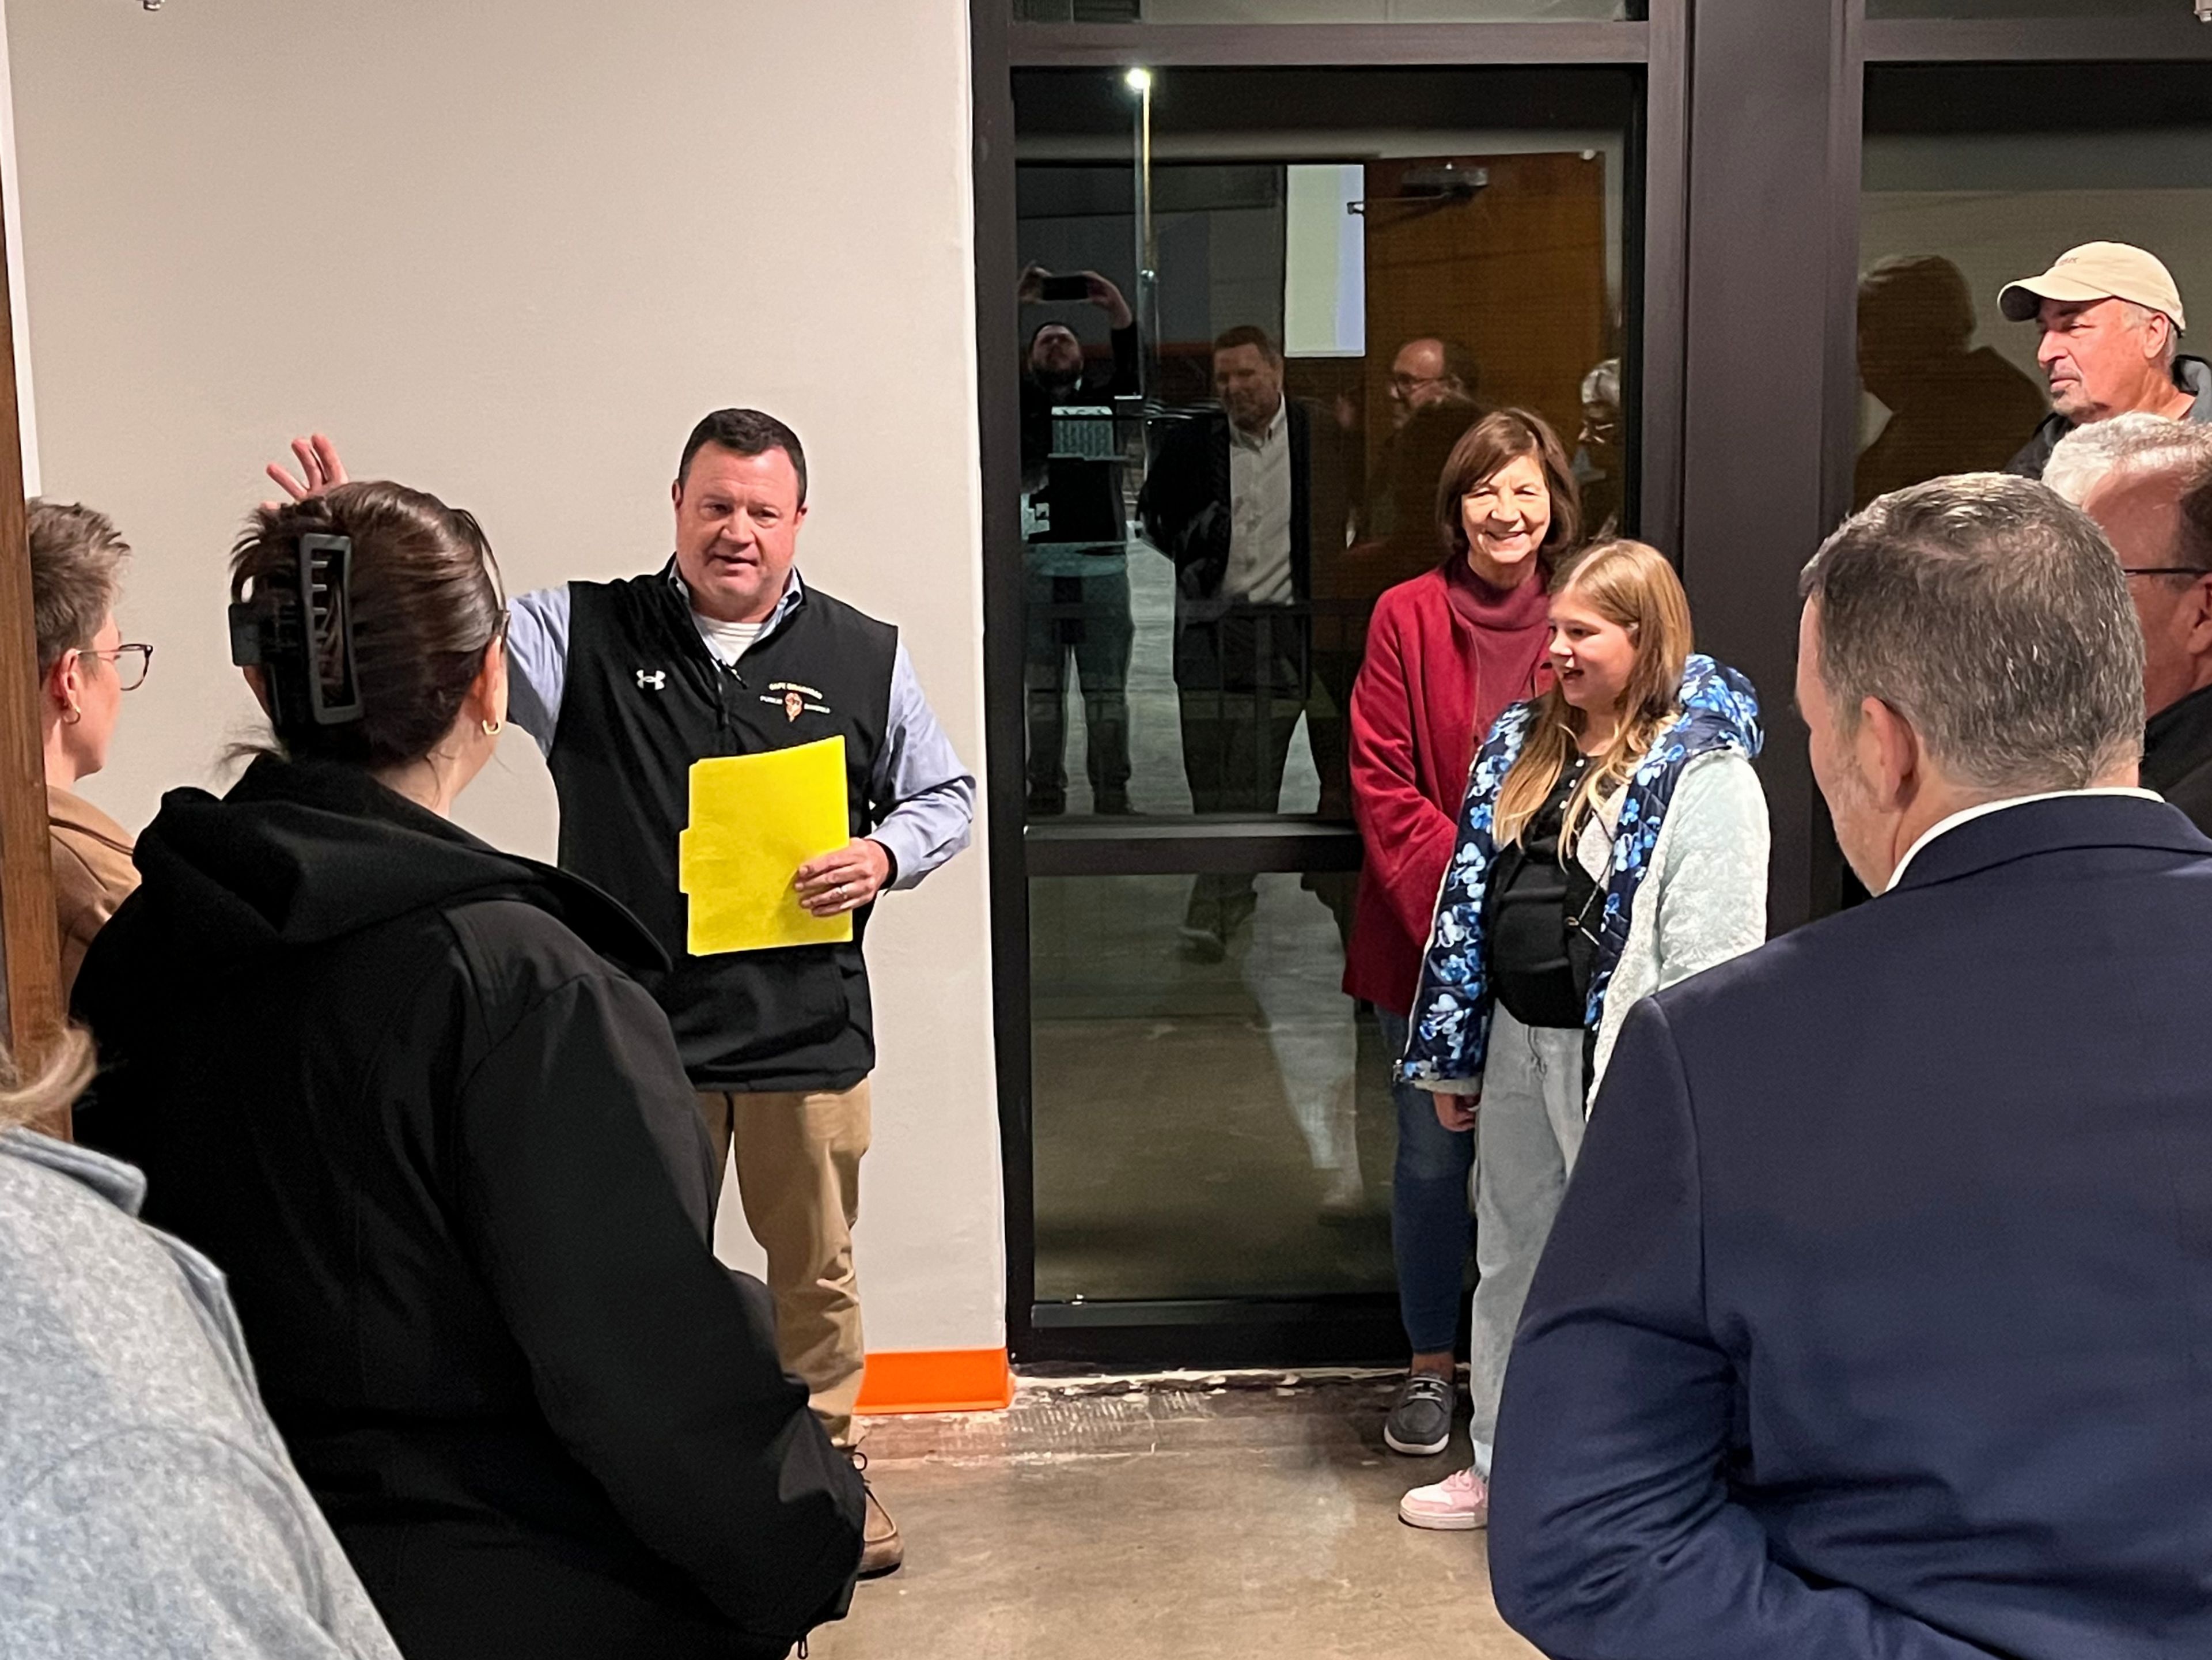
(1431, 1223)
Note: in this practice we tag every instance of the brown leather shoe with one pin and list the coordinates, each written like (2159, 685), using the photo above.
(882, 1550)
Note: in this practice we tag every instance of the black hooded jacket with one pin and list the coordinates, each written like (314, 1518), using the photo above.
(388, 1077)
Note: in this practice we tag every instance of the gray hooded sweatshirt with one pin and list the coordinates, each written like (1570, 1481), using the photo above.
(147, 1506)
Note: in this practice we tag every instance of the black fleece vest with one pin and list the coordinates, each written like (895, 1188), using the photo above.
(644, 698)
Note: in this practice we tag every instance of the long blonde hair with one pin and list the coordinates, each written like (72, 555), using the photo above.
(43, 1099)
(1630, 584)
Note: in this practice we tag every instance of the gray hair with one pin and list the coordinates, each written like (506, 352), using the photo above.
(76, 558)
(2139, 316)
(1992, 616)
(2136, 442)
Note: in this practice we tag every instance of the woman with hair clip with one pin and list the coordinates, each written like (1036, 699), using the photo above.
(1612, 841)
(1447, 653)
(147, 1506)
(393, 1081)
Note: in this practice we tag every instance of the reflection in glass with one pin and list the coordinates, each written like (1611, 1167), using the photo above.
(1977, 176)
(1325, 11)
(1969, 10)
(1202, 1129)
(1233, 441)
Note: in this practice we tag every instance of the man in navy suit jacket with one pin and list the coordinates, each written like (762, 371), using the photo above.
(1877, 1321)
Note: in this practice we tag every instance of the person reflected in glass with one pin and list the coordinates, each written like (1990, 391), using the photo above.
(1600, 470)
(1432, 400)
(1612, 841)
(405, 1091)
(85, 666)
(1447, 654)
(1228, 499)
(1075, 552)
(2111, 322)
(1953, 406)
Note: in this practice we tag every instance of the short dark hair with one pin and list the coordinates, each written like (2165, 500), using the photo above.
(1248, 334)
(745, 432)
(425, 606)
(1501, 437)
(1992, 615)
(75, 555)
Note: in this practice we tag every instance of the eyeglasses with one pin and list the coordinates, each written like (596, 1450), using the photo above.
(1411, 383)
(131, 663)
(2164, 570)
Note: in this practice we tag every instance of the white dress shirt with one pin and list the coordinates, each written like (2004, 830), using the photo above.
(1260, 513)
(1984, 809)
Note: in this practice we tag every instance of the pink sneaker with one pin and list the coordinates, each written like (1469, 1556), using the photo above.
(1459, 1502)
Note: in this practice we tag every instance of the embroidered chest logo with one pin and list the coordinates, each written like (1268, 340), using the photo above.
(795, 699)
(653, 679)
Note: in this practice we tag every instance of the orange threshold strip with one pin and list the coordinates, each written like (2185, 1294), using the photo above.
(936, 1380)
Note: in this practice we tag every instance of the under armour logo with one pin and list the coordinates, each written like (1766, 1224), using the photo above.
(653, 679)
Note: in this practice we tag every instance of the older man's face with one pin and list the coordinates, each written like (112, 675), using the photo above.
(2140, 517)
(2099, 356)
(1417, 380)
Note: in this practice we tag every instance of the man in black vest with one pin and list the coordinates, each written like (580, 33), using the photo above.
(725, 651)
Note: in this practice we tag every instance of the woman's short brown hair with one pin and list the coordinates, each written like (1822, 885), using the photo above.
(76, 558)
(425, 606)
(1500, 437)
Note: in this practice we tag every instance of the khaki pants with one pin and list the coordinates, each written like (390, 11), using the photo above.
(799, 1179)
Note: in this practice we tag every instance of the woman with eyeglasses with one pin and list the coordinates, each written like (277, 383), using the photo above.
(84, 669)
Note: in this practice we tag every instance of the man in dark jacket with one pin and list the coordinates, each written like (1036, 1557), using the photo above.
(1872, 1320)
(1228, 500)
(2111, 318)
(2154, 502)
(1075, 549)
(394, 1083)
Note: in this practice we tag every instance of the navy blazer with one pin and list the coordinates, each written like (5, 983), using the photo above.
(1877, 1319)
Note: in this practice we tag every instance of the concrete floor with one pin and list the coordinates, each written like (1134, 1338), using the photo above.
(1096, 1522)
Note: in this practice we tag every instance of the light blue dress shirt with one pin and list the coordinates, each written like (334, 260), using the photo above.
(925, 797)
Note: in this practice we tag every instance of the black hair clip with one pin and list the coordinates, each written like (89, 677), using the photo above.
(301, 637)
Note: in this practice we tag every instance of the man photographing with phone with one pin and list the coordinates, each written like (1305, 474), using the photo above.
(625, 685)
(1076, 551)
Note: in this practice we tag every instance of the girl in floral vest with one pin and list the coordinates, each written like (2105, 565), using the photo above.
(1612, 841)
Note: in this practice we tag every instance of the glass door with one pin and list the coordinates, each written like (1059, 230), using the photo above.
(1257, 309)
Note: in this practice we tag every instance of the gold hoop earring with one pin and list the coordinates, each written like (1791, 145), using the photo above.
(73, 716)
(492, 728)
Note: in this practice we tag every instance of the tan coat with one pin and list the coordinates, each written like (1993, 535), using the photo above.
(93, 874)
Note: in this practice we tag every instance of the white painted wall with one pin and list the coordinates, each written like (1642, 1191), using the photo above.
(510, 252)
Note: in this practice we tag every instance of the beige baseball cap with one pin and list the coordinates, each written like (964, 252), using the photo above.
(2097, 271)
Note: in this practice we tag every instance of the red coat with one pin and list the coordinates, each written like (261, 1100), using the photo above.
(1446, 655)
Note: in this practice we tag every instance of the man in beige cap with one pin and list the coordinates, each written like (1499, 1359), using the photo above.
(2112, 319)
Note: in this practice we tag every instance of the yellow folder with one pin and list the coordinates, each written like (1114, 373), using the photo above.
(755, 820)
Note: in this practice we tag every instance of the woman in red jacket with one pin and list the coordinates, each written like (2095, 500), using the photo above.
(1447, 654)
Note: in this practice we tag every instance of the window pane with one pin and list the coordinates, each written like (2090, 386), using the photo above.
(1204, 1129)
(2071, 9)
(1207, 523)
(1325, 11)
(1977, 176)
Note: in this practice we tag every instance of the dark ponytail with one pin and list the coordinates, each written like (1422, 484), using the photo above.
(424, 604)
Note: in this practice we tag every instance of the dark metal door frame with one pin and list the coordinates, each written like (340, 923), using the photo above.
(1741, 266)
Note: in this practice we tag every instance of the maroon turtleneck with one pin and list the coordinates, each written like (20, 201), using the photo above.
(1446, 654)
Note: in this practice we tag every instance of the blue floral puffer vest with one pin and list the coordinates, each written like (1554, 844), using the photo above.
(1450, 1024)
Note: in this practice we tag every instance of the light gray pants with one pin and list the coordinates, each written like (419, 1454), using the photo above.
(1526, 1132)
